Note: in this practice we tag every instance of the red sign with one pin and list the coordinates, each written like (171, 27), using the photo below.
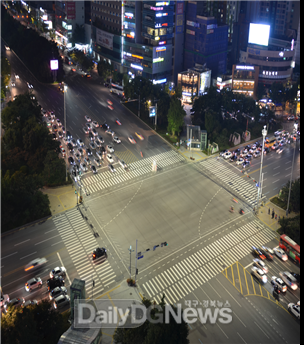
(71, 11)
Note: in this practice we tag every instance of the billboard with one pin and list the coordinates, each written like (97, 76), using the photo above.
(54, 65)
(104, 39)
(259, 34)
(152, 111)
(71, 11)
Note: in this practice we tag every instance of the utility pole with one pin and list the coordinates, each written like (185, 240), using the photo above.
(135, 262)
(264, 133)
(155, 115)
(64, 109)
(130, 250)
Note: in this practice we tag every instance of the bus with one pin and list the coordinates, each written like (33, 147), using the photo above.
(291, 248)
(115, 88)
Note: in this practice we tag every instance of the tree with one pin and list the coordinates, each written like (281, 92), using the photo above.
(54, 169)
(294, 202)
(104, 69)
(36, 324)
(291, 227)
(176, 116)
(154, 333)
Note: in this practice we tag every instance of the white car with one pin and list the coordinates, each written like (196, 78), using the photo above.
(83, 167)
(59, 123)
(256, 154)
(36, 263)
(239, 161)
(227, 155)
(110, 158)
(30, 86)
(279, 282)
(116, 140)
(87, 118)
(95, 124)
(259, 274)
(110, 148)
(294, 309)
(289, 279)
(52, 114)
(58, 271)
(44, 112)
(123, 164)
(260, 264)
(16, 76)
(61, 301)
(80, 142)
(109, 131)
(4, 299)
(280, 254)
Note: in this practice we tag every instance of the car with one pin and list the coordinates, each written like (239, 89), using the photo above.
(89, 152)
(280, 254)
(51, 283)
(131, 139)
(277, 133)
(275, 146)
(80, 151)
(59, 123)
(80, 142)
(44, 112)
(4, 299)
(97, 162)
(239, 161)
(94, 132)
(248, 157)
(16, 76)
(13, 83)
(139, 136)
(246, 164)
(99, 154)
(245, 151)
(297, 276)
(61, 301)
(52, 114)
(93, 169)
(30, 86)
(233, 158)
(267, 252)
(294, 309)
(15, 302)
(110, 148)
(59, 290)
(257, 154)
(68, 135)
(109, 131)
(73, 142)
(279, 150)
(98, 253)
(54, 136)
(91, 136)
(289, 279)
(105, 126)
(63, 151)
(110, 158)
(89, 126)
(116, 140)
(60, 135)
(259, 274)
(109, 102)
(55, 128)
(58, 271)
(227, 155)
(88, 75)
(95, 124)
(266, 150)
(77, 156)
(100, 139)
(92, 146)
(28, 303)
(279, 282)
(87, 118)
(7, 48)
(110, 107)
(71, 160)
(33, 284)
(111, 168)
(223, 152)
(123, 164)
(97, 143)
(51, 119)
(83, 167)
(260, 264)
(118, 122)
(86, 130)
(103, 150)
(34, 264)
(282, 143)
(70, 147)
(258, 253)
(237, 152)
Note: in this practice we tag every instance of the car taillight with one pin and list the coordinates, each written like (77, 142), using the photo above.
(29, 268)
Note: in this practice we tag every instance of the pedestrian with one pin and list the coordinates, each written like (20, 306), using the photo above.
(276, 216)
(272, 215)
(269, 210)
(279, 218)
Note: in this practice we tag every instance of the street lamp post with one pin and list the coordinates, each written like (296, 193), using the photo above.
(64, 109)
(294, 151)
(264, 133)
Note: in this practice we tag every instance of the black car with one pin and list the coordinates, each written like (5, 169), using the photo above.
(68, 135)
(71, 160)
(233, 158)
(237, 152)
(91, 136)
(52, 283)
(98, 252)
(248, 157)
(105, 126)
(297, 276)
(70, 147)
(94, 171)
(267, 150)
(89, 152)
(102, 149)
(246, 164)
(266, 253)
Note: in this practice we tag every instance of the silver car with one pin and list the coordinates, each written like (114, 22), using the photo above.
(61, 301)
(34, 264)
(33, 284)
(58, 271)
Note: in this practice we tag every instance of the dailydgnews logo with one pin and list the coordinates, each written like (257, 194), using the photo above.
(132, 313)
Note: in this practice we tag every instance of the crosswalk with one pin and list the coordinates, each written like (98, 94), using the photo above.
(184, 277)
(80, 243)
(107, 179)
(232, 179)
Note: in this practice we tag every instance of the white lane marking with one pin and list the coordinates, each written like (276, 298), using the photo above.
(21, 242)
(47, 239)
(261, 329)
(27, 255)
(8, 255)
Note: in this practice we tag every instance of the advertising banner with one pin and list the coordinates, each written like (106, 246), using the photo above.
(71, 11)
(104, 39)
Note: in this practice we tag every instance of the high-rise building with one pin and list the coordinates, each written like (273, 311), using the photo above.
(206, 41)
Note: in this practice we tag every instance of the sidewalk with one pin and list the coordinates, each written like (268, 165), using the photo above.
(61, 198)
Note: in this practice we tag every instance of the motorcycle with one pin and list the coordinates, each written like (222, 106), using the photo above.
(242, 211)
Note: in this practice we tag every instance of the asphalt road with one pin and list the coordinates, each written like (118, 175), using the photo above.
(185, 205)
